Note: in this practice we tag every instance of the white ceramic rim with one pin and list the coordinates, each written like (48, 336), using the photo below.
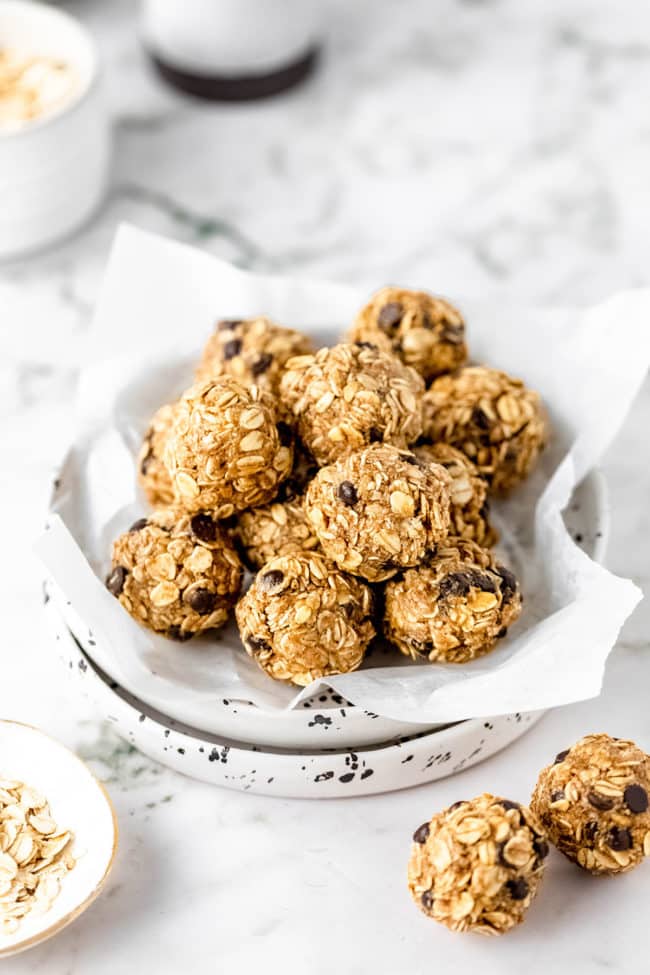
(35, 9)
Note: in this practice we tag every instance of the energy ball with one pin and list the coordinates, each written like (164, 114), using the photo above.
(224, 453)
(494, 419)
(593, 802)
(452, 608)
(253, 351)
(378, 510)
(423, 331)
(470, 510)
(349, 396)
(176, 573)
(477, 865)
(303, 619)
(153, 476)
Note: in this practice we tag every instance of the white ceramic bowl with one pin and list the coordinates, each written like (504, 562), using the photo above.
(79, 803)
(53, 169)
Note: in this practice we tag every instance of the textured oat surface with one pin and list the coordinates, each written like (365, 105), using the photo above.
(477, 865)
(303, 619)
(176, 573)
(454, 606)
(225, 453)
(35, 854)
(351, 395)
(494, 419)
(424, 331)
(153, 475)
(378, 510)
(253, 351)
(593, 802)
(469, 507)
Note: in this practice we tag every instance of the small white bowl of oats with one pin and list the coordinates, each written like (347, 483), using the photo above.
(58, 837)
(54, 129)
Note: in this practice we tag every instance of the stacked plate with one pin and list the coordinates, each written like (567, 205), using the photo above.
(324, 748)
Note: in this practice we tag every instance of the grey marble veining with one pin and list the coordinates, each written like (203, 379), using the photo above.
(485, 148)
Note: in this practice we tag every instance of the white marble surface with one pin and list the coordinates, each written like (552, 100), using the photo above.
(487, 147)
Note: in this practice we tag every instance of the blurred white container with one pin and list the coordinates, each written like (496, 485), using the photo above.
(54, 168)
(232, 49)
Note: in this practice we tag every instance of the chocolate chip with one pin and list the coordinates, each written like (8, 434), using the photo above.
(203, 527)
(347, 493)
(202, 601)
(509, 804)
(146, 462)
(411, 459)
(427, 900)
(175, 633)
(619, 839)
(561, 756)
(227, 324)
(453, 334)
(390, 315)
(636, 798)
(365, 345)
(116, 579)
(508, 583)
(285, 433)
(460, 583)
(270, 580)
(232, 348)
(262, 364)
(456, 805)
(139, 525)
(256, 644)
(558, 795)
(375, 435)
(480, 419)
(590, 830)
(421, 833)
(518, 889)
(600, 802)
(502, 632)
(540, 846)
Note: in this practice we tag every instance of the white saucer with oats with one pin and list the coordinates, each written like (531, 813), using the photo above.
(58, 837)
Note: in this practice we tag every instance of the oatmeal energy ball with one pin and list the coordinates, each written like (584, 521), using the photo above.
(593, 802)
(349, 396)
(176, 573)
(153, 476)
(303, 619)
(478, 865)
(378, 510)
(425, 332)
(494, 419)
(454, 607)
(253, 351)
(470, 512)
(224, 453)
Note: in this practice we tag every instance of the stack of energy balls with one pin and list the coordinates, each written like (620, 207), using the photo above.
(353, 480)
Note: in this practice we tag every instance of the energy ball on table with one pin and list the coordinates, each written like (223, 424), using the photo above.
(477, 865)
(470, 511)
(176, 573)
(224, 453)
(593, 802)
(454, 607)
(153, 476)
(494, 419)
(378, 510)
(253, 350)
(303, 619)
(349, 396)
(422, 330)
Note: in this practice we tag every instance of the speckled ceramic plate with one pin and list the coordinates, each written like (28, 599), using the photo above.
(326, 720)
(321, 774)
(79, 803)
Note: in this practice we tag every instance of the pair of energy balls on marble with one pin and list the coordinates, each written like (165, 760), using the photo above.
(477, 865)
